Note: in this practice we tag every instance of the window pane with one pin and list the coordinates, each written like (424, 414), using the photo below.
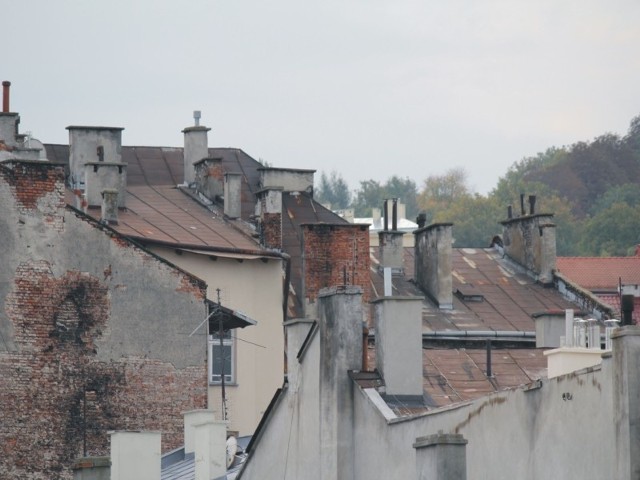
(216, 362)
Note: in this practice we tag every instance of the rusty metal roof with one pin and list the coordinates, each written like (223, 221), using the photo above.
(491, 295)
(159, 211)
(454, 375)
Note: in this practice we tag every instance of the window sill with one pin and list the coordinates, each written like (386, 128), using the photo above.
(218, 384)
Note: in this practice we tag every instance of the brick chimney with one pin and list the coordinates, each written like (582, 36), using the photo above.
(398, 322)
(433, 262)
(209, 178)
(530, 241)
(233, 195)
(196, 147)
(95, 163)
(269, 211)
(332, 255)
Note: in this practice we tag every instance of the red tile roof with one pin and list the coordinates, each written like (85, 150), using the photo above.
(600, 273)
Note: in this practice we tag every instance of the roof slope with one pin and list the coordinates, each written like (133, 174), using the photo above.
(159, 211)
(600, 273)
(492, 295)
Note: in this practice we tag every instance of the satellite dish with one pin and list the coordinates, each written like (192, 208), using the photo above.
(232, 449)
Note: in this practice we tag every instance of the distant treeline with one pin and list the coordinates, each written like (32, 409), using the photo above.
(593, 188)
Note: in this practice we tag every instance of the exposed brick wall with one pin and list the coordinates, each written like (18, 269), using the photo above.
(37, 188)
(56, 395)
(84, 353)
(271, 224)
(335, 255)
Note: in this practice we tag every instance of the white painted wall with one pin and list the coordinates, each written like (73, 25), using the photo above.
(564, 427)
(254, 288)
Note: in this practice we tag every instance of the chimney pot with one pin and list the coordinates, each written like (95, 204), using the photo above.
(532, 204)
(109, 213)
(5, 96)
(394, 216)
(386, 215)
(522, 210)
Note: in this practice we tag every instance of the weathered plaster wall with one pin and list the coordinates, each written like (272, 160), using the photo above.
(94, 332)
(567, 427)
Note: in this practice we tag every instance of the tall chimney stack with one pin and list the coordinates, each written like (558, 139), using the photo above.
(196, 147)
(5, 96)
(433, 263)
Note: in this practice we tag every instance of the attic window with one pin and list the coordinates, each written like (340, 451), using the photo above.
(468, 293)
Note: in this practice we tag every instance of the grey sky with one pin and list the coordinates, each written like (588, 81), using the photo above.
(367, 88)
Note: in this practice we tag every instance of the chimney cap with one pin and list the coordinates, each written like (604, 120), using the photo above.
(88, 127)
(6, 83)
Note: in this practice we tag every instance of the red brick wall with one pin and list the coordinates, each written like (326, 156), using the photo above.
(40, 188)
(58, 390)
(335, 255)
(272, 230)
(54, 392)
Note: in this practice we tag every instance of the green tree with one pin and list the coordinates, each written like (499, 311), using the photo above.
(372, 194)
(333, 190)
(613, 231)
(475, 220)
(628, 193)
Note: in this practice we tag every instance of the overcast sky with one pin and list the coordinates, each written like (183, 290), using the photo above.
(369, 88)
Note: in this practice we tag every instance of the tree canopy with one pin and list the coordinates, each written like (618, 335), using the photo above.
(592, 188)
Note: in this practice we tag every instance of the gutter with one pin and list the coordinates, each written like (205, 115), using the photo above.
(208, 248)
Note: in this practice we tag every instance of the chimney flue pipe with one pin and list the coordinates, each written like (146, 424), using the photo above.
(394, 215)
(385, 214)
(5, 96)
(532, 204)
(522, 210)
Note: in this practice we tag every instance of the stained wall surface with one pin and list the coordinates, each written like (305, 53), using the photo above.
(94, 332)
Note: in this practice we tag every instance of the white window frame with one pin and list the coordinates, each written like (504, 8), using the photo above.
(214, 349)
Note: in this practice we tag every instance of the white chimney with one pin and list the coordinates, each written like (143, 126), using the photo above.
(441, 456)
(191, 419)
(398, 322)
(110, 206)
(287, 179)
(232, 194)
(135, 455)
(196, 147)
(100, 147)
(210, 449)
